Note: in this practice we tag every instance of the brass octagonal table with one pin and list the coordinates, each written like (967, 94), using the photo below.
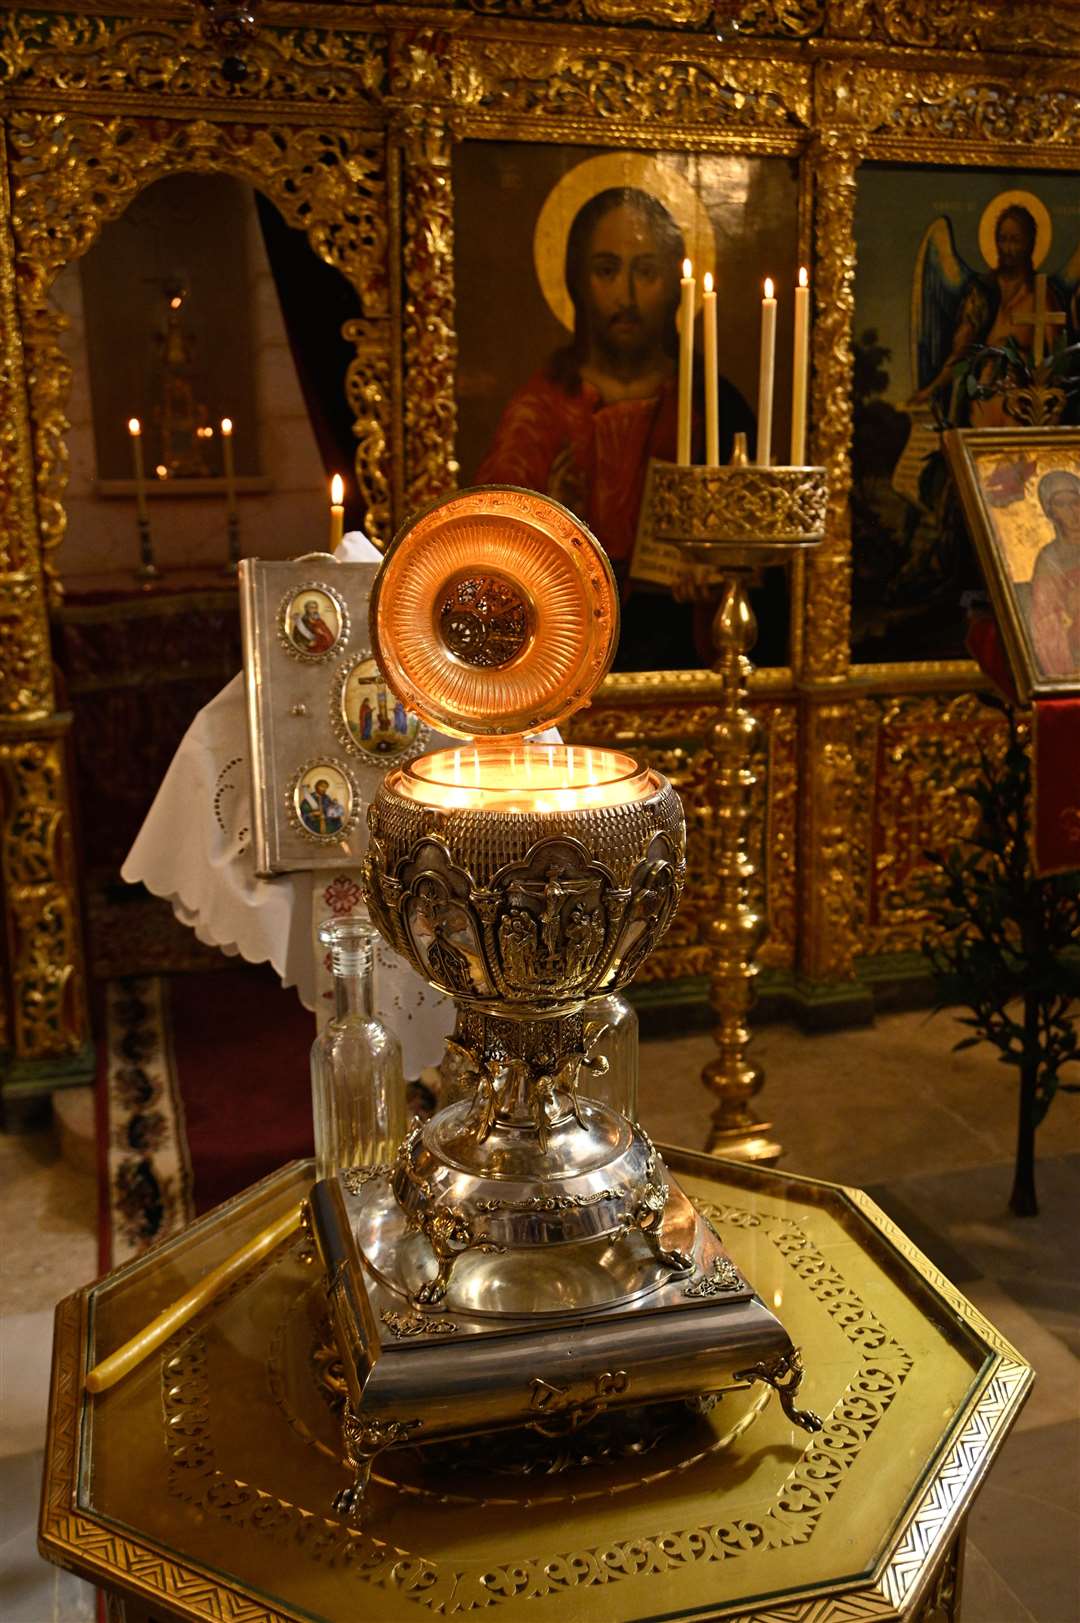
(200, 1486)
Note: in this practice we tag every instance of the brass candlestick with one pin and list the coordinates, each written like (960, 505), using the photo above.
(732, 520)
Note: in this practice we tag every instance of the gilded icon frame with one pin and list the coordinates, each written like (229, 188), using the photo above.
(978, 458)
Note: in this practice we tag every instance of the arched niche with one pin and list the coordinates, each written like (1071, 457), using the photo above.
(71, 174)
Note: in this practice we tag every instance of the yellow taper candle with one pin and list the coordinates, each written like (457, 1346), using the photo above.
(230, 466)
(765, 377)
(801, 371)
(686, 364)
(135, 430)
(337, 511)
(150, 1338)
(712, 381)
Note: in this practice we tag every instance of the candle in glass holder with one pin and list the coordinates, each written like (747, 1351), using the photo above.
(135, 430)
(801, 370)
(686, 363)
(337, 511)
(230, 467)
(712, 381)
(765, 377)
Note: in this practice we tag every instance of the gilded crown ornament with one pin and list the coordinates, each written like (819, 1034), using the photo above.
(522, 877)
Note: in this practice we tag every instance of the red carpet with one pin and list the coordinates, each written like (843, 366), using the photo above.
(241, 1048)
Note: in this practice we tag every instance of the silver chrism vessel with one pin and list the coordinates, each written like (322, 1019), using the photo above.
(527, 1259)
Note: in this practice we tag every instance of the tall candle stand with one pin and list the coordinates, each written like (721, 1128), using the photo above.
(733, 520)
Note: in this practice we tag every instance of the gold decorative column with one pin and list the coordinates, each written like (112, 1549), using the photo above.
(43, 1024)
(732, 520)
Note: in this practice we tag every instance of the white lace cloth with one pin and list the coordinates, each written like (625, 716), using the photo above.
(195, 849)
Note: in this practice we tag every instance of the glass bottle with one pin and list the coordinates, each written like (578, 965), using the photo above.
(357, 1086)
(618, 1086)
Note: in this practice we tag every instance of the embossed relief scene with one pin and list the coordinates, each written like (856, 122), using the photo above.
(567, 265)
(947, 261)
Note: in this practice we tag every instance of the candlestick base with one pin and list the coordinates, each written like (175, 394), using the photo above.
(147, 569)
(733, 519)
(232, 562)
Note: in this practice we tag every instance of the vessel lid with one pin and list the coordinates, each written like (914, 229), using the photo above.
(494, 611)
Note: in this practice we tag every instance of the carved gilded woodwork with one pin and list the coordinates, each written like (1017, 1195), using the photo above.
(826, 628)
(368, 392)
(927, 750)
(57, 52)
(428, 340)
(48, 1012)
(563, 87)
(348, 120)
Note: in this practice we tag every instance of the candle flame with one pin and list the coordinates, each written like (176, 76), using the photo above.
(708, 281)
(768, 287)
(175, 303)
(687, 269)
(134, 426)
(162, 471)
(337, 490)
(226, 425)
(804, 279)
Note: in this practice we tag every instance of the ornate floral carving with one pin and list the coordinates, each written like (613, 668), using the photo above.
(22, 641)
(53, 53)
(965, 25)
(567, 84)
(890, 101)
(36, 858)
(26, 687)
(428, 336)
(825, 649)
(834, 886)
(367, 390)
(928, 750)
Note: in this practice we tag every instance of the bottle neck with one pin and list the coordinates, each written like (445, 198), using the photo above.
(352, 981)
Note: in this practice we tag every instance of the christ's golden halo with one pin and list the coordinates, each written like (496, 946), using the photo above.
(569, 194)
(1035, 206)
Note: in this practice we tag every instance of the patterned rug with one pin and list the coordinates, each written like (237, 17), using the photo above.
(144, 1164)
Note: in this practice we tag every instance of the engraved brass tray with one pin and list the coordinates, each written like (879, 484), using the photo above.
(198, 1487)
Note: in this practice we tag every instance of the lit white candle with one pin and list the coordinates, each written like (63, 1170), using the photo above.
(135, 430)
(802, 370)
(712, 381)
(686, 363)
(230, 466)
(337, 511)
(765, 376)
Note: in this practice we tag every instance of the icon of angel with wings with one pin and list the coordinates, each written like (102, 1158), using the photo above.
(957, 309)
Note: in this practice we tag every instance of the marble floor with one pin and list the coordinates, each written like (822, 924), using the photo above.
(889, 1107)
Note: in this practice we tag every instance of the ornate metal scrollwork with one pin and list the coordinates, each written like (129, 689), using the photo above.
(722, 1278)
(784, 1374)
(365, 1439)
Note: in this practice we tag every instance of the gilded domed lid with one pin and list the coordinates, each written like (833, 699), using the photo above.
(494, 611)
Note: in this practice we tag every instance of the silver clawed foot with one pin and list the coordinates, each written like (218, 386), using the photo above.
(784, 1374)
(365, 1440)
